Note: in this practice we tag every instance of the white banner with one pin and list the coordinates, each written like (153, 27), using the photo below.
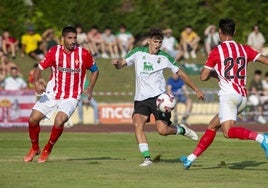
(15, 107)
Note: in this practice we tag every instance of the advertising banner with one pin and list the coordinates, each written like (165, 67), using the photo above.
(15, 107)
(117, 113)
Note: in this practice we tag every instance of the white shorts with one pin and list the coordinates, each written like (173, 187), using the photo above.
(230, 106)
(48, 106)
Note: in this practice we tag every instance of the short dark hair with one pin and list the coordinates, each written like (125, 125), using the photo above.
(155, 33)
(68, 29)
(227, 26)
(259, 72)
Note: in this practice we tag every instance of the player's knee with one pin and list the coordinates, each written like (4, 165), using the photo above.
(162, 131)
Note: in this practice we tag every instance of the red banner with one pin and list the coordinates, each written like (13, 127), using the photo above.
(15, 107)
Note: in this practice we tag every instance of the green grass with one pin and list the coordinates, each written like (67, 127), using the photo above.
(111, 160)
(112, 80)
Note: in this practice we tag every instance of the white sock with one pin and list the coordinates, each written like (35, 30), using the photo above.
(191, 157)
(143, 147)
(259, 138)
(179, 129)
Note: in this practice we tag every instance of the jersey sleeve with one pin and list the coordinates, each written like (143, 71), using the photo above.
(88, 59)
(212, 59)
(49, 59)
(130, 58)
(252, 54)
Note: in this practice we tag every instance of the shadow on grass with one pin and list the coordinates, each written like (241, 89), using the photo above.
(94, 159)
(244, 165)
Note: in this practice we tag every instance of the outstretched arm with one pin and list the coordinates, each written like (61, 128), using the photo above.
(263, 59)
(118, 63)
(191, 84)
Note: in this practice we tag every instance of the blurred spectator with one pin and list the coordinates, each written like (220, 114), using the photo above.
(14, 81)
(256, 39)
(9, 44)
(85, 102)
(189, 41)
(96, 41)
(177, 87)
(256, 96)
(31, 44)
(110, 43)
(82, 39)
(212, 38)
(171, 45)
(49, 40)
(125, 40)
(2, 77)
(7, 65)
(265, 84)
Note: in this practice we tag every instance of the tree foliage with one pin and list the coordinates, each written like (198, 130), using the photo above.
(138, 15)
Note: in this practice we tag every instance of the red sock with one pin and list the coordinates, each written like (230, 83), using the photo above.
(34, 130)
(55, 134)
(242, 133)
(204, 142)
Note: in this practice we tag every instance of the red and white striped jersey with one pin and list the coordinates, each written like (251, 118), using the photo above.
(68, 71)
(230, 61)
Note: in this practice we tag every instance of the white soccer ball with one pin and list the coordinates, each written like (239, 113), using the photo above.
(165, 102)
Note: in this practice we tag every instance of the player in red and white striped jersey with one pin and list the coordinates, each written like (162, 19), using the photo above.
(69, 64)
(228, 63)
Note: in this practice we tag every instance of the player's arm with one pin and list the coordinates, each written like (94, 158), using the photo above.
(262, 59)
(38, 86)
(118, 63)
(93, 79)
(191, 84)
(207, 73)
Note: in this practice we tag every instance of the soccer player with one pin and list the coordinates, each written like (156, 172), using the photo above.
(228, 63)
(149, 63)
(69, 64)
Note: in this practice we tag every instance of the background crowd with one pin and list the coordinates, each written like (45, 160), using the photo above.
(108, 43)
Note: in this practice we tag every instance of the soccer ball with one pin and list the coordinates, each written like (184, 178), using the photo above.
(165, 102)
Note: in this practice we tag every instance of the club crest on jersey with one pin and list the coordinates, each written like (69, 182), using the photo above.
(159, 60)
(76, 61)
(143, 57)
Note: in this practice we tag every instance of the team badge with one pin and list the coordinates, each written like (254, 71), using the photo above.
(76, 61)
(143, 57)
(159, 60)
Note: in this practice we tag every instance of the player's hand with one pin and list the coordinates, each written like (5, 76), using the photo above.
(200, 95)
(116, 62)
(39, 88)
(88, 93)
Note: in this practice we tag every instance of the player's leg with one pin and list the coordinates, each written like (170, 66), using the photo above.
(34, 130)
(203, 143)
(139, 122)
(164, 125)
(231, 131)
(66, 108)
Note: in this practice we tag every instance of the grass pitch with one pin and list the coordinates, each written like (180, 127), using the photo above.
(84, 160)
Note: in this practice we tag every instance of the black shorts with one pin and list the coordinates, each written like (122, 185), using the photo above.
(148, 107)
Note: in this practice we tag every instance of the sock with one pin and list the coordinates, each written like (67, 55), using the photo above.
(55, 134)
(180, 130)
(144, 149)
(242, 133)
(204, 142)
(34, 130)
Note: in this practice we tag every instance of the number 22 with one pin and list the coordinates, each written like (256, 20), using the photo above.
(230, 63)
